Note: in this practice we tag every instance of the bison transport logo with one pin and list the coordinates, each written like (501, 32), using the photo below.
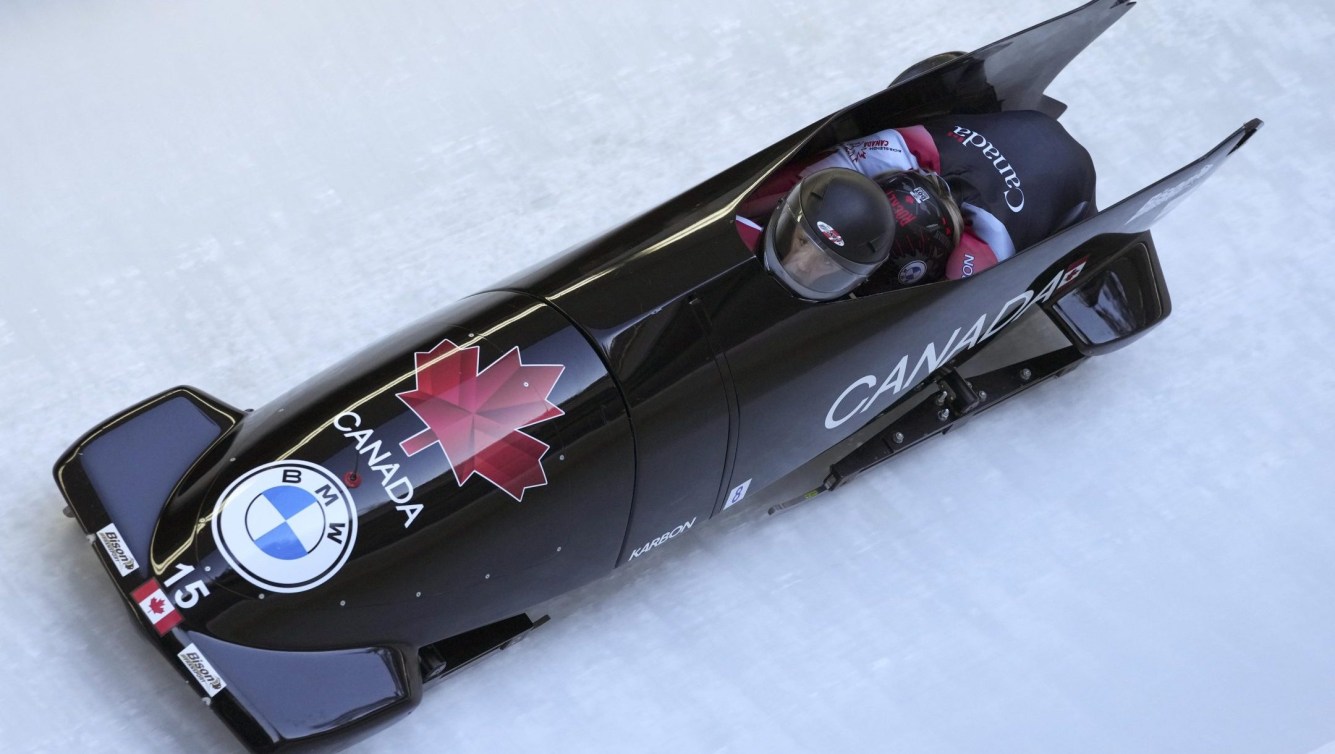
(287, 526)
(476, 416)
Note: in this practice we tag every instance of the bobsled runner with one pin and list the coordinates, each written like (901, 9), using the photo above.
(309, 565)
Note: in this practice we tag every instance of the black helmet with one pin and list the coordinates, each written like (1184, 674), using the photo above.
(832, 230)
(929, 225)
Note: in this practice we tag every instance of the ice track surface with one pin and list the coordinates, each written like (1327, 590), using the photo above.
(1136, 558)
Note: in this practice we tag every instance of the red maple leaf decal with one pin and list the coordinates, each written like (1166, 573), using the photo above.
(475, 416)
(157, 606)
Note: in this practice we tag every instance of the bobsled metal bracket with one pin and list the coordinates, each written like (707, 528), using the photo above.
(441, 658)
(954, 401)
(959, 393)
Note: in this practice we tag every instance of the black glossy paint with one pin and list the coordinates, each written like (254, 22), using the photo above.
(688, 373)
(474, 554)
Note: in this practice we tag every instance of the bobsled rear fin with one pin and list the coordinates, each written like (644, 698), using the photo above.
(1010, 74)
(117, 477)
(1119, 292)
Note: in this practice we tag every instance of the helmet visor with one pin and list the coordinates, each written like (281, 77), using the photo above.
(804, 261)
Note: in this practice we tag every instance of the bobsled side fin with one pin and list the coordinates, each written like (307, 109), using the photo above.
(284, 700)
(1136, 213)
(1020, 67)
(1010, 74)
(1120, 293)
(1141, 210)
(117, 477)
(441, 658)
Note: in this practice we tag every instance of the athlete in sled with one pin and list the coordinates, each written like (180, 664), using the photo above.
(308, 566)
(955, 203)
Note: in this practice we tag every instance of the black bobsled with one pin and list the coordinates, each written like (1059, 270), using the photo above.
(308, 566)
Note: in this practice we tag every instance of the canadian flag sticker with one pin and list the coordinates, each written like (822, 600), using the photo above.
(1073, 272)
(154, 603)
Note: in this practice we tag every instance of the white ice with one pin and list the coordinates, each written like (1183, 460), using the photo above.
(1137, 558)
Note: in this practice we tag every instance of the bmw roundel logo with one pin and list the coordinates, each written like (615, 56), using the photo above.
(912, 272)
(286, 526)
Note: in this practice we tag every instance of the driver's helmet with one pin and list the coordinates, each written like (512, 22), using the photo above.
(833, 230)
(929, 225)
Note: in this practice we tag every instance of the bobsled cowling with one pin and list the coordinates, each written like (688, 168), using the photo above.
(310, 564)
(266, 697)
(436, 553)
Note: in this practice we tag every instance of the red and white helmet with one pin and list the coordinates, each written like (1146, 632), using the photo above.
(928, 223)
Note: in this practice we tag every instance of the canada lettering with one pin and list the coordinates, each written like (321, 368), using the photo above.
(862, 395)
(1014, 195)
(399, 488)
(857, 151)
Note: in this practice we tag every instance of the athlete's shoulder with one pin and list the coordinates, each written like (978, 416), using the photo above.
(871, 155)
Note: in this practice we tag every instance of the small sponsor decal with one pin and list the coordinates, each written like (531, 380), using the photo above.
(737, 494)
(117, 550)
(1073, 272)
(912, 272)
(287, 526)
(830, 233)
(1173, 194)
(856, 151)
(475, 416)
(156, 607)
(199, 667)
(966, 267)
(660, 539)
(902, 216)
